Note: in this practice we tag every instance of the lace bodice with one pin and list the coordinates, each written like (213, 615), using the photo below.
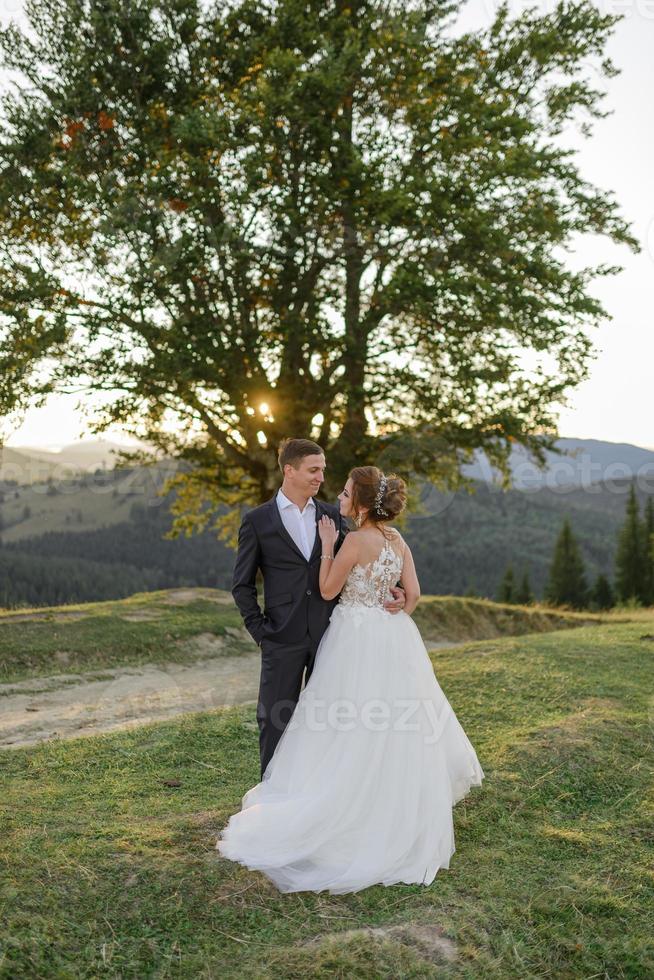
(370, 584)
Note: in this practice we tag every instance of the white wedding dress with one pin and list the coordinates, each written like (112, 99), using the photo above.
(363, 780)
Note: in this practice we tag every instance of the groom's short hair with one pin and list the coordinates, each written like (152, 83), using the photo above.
(294, 450)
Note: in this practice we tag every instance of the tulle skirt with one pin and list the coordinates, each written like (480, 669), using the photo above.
(363, 780)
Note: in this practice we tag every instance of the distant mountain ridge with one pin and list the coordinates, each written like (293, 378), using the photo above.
(27, 468)
(586, 461)
(28, 464)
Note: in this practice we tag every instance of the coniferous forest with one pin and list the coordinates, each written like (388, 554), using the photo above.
(111, 562)
(572, 547)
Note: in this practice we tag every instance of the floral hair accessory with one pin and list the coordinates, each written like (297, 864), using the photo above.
(383, 483)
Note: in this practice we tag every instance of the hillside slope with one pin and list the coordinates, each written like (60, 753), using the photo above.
(110, 868)
(158, 627)
(462, 541)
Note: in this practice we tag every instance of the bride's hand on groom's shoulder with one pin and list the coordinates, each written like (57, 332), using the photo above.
(327, 531)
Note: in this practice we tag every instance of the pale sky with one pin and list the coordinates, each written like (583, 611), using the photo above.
(615, 404)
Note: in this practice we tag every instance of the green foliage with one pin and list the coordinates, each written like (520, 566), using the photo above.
(507, 586)
(648, 551)
(602, 594)
(567, 581)
(523, 594)
(343, 214)
(513, 592)
(109, 563)
(633, 563)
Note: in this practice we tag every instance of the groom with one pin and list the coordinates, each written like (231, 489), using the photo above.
(280, 538)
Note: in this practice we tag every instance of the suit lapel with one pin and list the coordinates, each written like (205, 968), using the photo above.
(317, 544)
(278, 524)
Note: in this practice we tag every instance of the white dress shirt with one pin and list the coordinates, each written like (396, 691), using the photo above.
(300, 524)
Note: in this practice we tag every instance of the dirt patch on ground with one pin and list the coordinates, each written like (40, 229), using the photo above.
(140, 615)
(178, 597)
(575, 730)
(577, 727)
(169, 597)
(69, 705)
(203, 645)
(428, 940)
(51, 617)
(236, 639)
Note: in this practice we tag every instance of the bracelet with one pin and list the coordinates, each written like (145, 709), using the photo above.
(330, 557)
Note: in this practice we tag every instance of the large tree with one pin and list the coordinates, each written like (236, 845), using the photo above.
(244, 221)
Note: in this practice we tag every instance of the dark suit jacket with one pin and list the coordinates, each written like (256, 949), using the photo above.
(293, 605)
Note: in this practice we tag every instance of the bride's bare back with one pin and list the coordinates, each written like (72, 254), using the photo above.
(362, 548)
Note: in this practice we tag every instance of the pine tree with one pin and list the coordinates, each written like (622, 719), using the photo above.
(630, 558)
(602, 595)
(524, 595)
(567, 580)
(648, 549)
(507, 586)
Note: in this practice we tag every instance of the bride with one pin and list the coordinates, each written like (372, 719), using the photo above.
(361, 786)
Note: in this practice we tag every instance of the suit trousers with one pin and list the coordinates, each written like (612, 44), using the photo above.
(282, 667)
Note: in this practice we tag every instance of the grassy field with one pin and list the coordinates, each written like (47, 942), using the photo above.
(109, 871)
(155, 627)
(147, 627)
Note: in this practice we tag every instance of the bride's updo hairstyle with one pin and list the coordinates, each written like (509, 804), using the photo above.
(384, 504)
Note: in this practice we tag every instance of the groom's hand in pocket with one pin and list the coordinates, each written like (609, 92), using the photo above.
(397, 603)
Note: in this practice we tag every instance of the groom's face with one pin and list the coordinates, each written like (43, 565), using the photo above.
(308, 476)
